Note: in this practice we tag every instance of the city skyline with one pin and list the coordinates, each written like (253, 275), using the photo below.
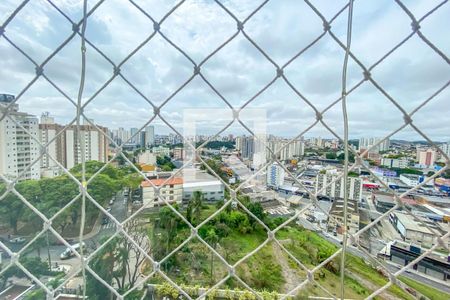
(160, 131)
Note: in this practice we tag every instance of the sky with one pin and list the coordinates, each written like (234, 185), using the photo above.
(237, 71)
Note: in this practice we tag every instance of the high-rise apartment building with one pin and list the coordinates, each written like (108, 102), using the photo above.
(149, 136)
(18, 145)
(366, 143)
(400, 163)
(295, 149)
(142, 139)
(426, 157)
(275, 175)
(316, 142)
(336, 189)
(246, 146)
(66, 148)
(446, 148)
(134, 135)
(54, 141)
(94, 143)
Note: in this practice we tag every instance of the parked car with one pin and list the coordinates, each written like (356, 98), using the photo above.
(105, 220)
(17, 240)
(68, 253)
(108, 209)
(111, 202)
(4, 254)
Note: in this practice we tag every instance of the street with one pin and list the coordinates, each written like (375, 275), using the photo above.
(417, 276)
(100, 231)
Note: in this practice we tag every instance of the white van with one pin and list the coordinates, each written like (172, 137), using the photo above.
(68, 253)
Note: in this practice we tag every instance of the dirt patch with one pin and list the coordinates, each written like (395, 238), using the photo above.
(290, 276)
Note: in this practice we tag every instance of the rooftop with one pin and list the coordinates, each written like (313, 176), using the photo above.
(162, 181)
(337, 208)
(410, 224)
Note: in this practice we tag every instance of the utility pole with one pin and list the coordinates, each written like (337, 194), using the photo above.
(48, 252)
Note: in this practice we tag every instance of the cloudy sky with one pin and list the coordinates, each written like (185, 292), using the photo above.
(238, 71)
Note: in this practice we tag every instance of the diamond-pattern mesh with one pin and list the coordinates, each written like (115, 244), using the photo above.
(79, 28)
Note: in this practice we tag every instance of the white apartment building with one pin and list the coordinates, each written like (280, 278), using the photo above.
(336, 189)
(275, 175)
(178, 153)
(446, 148)
(149, 136)
(161, 151)
(316, 142)
(366, 143)
(17, 148)
(147, 158)
(66, 148)
(94, 143)
(49, 135)
(295, 149)
(394, 162)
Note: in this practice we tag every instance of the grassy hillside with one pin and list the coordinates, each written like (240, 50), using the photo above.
(233, 235)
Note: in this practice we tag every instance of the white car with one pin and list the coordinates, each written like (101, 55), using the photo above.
(68, 253)
(111, 202)
(17, 240)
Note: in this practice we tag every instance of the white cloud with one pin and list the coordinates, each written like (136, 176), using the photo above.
(239, 70)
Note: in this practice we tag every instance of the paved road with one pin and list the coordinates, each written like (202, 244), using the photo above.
(118, 210)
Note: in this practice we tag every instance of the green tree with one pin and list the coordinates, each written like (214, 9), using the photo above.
(351, 157)
(256, 209)
(330, 155)
(119, 262)
(212, 239)
(197, 203)
(167, 168)
(216, 166)
(168, 222)
(12, 209)
(353, 174)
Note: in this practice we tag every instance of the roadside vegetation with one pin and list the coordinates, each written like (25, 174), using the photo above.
(50, 195)
(427, 291)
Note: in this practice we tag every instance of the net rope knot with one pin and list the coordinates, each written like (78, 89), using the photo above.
(280, 72)
(240, 26)
(319, 116)
(39, 70)
(407, 118)
(116, 71)
(415, 26)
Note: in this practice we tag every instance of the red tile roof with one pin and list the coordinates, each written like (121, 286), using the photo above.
(162, 181)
